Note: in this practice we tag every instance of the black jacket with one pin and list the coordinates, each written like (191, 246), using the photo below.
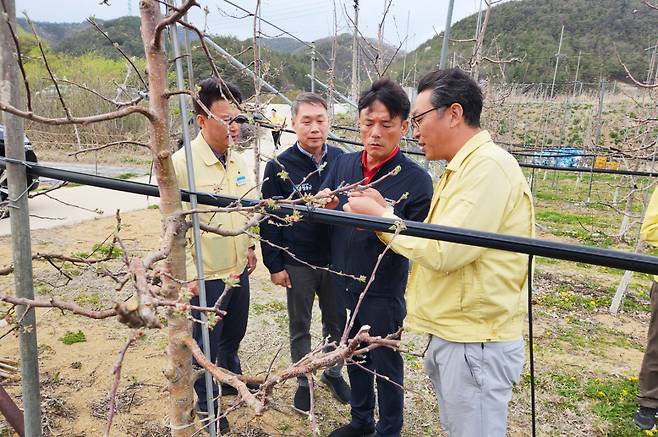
(355, 251)
(308, 241)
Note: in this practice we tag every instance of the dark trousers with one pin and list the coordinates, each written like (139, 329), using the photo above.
(648, 396)
(276, 136)
(306, 283)
(227, 334)
(385, 316)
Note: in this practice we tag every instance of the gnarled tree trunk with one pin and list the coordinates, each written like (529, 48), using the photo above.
(179, 372)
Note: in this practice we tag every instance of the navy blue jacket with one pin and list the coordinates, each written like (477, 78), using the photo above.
(355, 251)
(308, 241)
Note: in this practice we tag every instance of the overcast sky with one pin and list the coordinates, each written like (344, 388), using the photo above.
(307, 19)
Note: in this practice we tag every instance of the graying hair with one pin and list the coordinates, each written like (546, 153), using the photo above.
(307, 98)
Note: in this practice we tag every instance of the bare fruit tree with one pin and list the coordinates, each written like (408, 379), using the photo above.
(158, 279)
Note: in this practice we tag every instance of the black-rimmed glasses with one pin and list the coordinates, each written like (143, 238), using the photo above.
(240, 119)
(415, 120)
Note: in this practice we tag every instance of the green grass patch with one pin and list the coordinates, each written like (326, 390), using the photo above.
(563, 217)
(566, 299)
(273, 306)
(73, 337)
(91, 300)
(101, 251)
(612, 398)
(127, 175)
(592, 337)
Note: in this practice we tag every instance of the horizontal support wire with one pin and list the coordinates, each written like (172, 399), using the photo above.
(531, 246)
(537, 166)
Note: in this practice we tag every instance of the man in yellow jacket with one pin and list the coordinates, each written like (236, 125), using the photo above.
(470, 300)
(217, 170)
(645, 417)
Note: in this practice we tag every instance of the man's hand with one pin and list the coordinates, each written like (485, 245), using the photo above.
(371, 193)
(281, 278)
(331, 202)
(364, 205)
(251, 260)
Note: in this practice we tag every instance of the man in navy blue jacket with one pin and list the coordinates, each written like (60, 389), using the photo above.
(299, 171)
(383, 112)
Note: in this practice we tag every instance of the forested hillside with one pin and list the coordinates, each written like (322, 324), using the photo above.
(525, 29)
(530, 30)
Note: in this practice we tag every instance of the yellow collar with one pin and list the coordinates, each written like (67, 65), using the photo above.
(469, 147)
(206, 153)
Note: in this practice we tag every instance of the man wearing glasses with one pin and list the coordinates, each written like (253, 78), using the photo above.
(383, 112)
(217, 170)
(471, 300)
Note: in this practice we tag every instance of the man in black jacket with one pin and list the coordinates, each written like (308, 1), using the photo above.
(299, 171)
(383, 112)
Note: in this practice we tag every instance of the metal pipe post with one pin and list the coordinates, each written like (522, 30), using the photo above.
(575, 80)
(446, 36)
(355, 53)
(478, 24)
(190, 70)
(244, 69)
(557, 61)
(597, 137)
(341, 96)
(205, 337)
(20, 226)
(313, 67)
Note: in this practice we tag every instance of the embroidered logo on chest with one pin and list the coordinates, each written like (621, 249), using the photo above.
(304, 188)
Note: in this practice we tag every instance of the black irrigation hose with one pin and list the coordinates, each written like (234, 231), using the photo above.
(531, 350)
(551, 249)
(593, 170)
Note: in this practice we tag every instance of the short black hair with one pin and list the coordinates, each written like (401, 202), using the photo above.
(390, 94)
(453, 85)
(213, 89)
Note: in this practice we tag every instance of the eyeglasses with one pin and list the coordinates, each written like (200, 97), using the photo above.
(415, 120)
(240, 119)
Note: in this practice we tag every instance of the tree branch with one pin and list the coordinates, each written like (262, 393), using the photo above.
(54, 303)
(224, 377)
(116, 45)
(350, 322)
(118, 104)
(19, 57)
(104, 146)
(630, 76)
(116, 371)
(651, 5)
(50, 73)
(29, 115)
(178, 13)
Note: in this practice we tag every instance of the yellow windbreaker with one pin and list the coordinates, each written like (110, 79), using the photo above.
(649, 229)
(465, 293)
(221, 255)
